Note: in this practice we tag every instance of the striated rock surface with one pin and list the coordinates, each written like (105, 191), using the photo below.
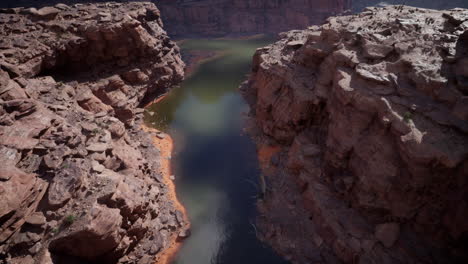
(79, 180)
(366, 122)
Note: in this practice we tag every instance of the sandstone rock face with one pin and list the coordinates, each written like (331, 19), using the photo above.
(79, 180)
(211, 18)
(369, 115)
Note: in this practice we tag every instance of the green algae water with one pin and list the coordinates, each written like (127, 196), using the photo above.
(214, 163)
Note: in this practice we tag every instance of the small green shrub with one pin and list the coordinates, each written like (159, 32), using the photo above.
(407, 116)
(70, 219)
(97, 131)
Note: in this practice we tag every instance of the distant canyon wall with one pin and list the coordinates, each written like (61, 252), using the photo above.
(217, 18)
(244, 17)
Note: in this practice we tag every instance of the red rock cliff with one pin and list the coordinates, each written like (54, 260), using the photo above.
(240, 17)
(79, 180)
(369, 114)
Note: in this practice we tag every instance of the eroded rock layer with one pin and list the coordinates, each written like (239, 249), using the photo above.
(79, 180)
(366, 122)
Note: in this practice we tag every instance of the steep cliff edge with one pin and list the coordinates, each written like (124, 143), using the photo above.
(79, 179)
(362, 124)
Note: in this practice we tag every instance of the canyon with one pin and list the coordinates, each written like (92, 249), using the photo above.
(362, 129)
(360, 123)
(80, 181)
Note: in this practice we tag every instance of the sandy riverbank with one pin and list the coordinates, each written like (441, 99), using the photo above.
(165, 146)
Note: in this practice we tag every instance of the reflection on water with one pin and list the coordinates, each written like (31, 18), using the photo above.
(215, 165)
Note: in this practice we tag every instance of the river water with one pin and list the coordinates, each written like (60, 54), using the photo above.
(215, 164)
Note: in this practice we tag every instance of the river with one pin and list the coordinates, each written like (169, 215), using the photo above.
(214, 162)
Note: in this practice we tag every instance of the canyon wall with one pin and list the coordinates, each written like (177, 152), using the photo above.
(217, 18)
(79, 180)
(364, 123)
(212, 18)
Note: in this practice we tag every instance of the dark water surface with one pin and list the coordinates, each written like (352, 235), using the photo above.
(214, 163)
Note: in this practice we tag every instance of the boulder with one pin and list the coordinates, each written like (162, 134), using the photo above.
(20, 194)
(96, 234)
(47, 12)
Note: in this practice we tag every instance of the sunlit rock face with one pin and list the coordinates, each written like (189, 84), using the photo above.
(242, 17)
(79, 180)
(369, 114)
(359, 5)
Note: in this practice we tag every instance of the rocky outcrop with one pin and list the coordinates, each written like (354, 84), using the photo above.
(367, 118)
(359, 5)
(79, 180)
(213, 18)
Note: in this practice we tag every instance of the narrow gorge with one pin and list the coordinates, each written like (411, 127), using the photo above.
(233, 131)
